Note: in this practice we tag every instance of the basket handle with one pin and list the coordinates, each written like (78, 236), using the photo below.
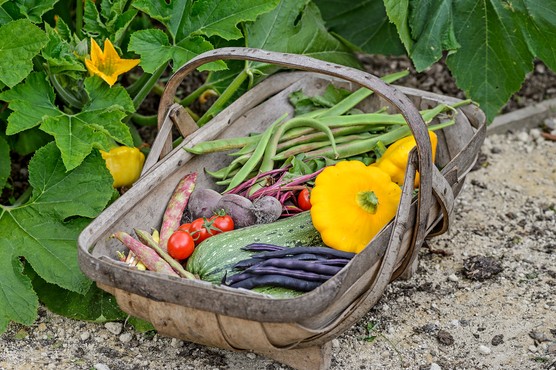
(294, 61)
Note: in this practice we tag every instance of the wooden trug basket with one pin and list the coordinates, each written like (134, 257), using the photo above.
(294, 331)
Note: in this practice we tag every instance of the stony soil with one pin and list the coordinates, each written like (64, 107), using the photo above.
(482, 298)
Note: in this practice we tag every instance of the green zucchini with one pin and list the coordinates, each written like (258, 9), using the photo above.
(215, 256)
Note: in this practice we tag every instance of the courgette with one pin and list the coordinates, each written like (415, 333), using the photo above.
(215, 256)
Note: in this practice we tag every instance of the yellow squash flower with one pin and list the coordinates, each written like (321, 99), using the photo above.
(108, 65)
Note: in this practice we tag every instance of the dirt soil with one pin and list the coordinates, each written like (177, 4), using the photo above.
(483, 296)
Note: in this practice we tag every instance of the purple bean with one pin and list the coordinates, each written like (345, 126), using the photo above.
(243, 264)
(262, 247)
(295, 265)
(277, 281)
(325, 251)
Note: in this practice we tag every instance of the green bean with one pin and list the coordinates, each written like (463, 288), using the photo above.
(319, 135)
(307, 147)
(220, 145)
(357, 96)
(257, 155)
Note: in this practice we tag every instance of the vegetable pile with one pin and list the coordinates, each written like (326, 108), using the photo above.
(296, 202)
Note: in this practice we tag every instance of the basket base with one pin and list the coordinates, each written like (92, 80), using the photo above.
(206, 331)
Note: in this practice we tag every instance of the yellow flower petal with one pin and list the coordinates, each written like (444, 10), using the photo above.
(108, 65)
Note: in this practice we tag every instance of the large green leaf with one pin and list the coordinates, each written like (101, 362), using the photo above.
(21, 41)
(30, 102)
(98, 125)
(362, 23)
(537, 21)
(494, 58)
(18, 302)
(186, 21)
(60, 55)
(297, 27)
(34, 9)
(44, 230)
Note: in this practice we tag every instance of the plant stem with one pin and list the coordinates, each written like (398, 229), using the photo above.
(148, 86)
(194, 95)
(79, 17)
(223, 99)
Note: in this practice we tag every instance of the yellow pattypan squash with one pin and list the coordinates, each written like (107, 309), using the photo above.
(125, 164)
(394, 160)
(351, 203)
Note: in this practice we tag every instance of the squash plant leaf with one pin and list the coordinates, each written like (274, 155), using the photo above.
(494, 56)
(363, 24)
(98, 125)
(92, 305)
(296, 27)
(44, 230)
(21, 41)
(34, 9)
(111, 22)
(18, 302)
(189, 25)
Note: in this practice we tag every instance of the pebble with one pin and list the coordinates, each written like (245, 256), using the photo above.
(484, 350)
(114, 327)
(453, 277)
(251, 356)
(100, 366)
(84, 336)
(435, 366)
(523, 136)
(126, 337)
(335, 343)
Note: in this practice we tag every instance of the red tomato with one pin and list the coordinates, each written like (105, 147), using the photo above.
(185, 227)
(222, 223)
(303, 199)
(199, 229)
(203, 228)
(180, 245)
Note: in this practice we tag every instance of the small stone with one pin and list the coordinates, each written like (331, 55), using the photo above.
(114, 327)
(85, 335)
(126, 337)
(532, 348)
(251, 356)
(497, 340)
(176, 343)
(551, 349)
(522, 136)
(435, 366)
(41, 327)
(445, 337)
(100, 366)
(453, 277)
(335, 343)
(484, 350)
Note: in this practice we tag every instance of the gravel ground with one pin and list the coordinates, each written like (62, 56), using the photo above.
(483, 296)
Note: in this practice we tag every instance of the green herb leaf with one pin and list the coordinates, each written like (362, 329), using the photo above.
(44, 230)
(363, 24)
(21, 41)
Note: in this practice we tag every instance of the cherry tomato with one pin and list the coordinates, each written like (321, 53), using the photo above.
(199, 229)
(185, 227)
(222, 223)
(303, 200)
(180, 245)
